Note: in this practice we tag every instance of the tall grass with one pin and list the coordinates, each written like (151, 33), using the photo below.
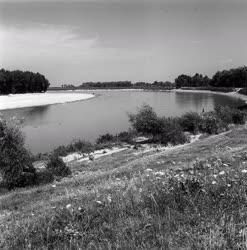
(199, 208)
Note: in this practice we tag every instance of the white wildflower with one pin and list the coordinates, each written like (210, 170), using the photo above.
(221, 172)
(244, 171)
(68, 206)
(213, 182)
(109, 198)
(54, 186)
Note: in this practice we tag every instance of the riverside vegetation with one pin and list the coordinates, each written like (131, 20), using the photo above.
(168, 200)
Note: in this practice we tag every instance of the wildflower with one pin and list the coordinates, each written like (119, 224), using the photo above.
(213, 182)
(79, 208)
(225, 165)
(229, 185)
(109, 198)
(222, 173)
(215, 176)
(54, 186)
(160, 173)
(244, 171)
(99, 202)
(149, 170)
(68, 206)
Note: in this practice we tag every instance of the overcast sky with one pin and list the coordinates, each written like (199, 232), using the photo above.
(105, 40)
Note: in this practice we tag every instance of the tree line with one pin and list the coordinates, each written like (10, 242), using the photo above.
(127, 84)
(233, 78)
(17, 81)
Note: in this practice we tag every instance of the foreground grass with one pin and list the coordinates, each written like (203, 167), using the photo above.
(191, 197)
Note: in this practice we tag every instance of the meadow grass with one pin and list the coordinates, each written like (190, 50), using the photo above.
(190, 197)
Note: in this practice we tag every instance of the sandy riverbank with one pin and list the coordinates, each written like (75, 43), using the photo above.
(232, 94)
(40, 99)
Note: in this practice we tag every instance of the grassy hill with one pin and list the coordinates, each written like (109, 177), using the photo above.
(188, 197)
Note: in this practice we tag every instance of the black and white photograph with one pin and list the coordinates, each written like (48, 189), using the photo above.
(123, 124)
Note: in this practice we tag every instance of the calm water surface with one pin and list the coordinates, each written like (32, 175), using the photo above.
(47, 127)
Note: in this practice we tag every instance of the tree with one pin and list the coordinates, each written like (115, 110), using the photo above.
(15, 162)
(22, 82)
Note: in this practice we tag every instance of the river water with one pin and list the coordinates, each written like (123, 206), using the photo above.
(47, 127)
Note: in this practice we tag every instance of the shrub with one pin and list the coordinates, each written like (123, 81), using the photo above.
(57, 167)
(171, 132)
(106, 138)
(238, 117)
(190, 122)
(126, 136)
(15, 161)
(81, 146)
(230, 115)
(211, 124)
(75, 146)
(146, 121)
(44, 176)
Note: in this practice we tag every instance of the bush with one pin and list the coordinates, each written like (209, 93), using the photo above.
(230, 115)
(171, 132)
(57, 167)
(211, 124)
(238, 117)
(190, 122)
(106, 138)
(15, 161)
(75, 146)
(126, 136)
(146, 121)
(44, 176)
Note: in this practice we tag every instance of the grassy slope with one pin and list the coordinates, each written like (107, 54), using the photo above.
(116, 203)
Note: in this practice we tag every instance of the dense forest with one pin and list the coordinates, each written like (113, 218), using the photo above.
(233, 78)
(12, 82)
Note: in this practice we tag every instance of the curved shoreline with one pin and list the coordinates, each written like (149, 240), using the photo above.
(234, 94)
(40, 99)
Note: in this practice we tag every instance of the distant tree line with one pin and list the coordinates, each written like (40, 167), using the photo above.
(17, 81)
(127, 84)
(233, 78)
(119, 84)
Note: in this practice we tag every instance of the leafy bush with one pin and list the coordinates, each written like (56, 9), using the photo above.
(211, 124)
(238, 117)
(75, 146)
(171, 132)
(57, 167)
(126, 136)
(106, 138)
(146, 121)
(44, 176)
(15, 161)
(190, 122)
(230, 115)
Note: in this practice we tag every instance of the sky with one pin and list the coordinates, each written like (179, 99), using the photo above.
(112, 40)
